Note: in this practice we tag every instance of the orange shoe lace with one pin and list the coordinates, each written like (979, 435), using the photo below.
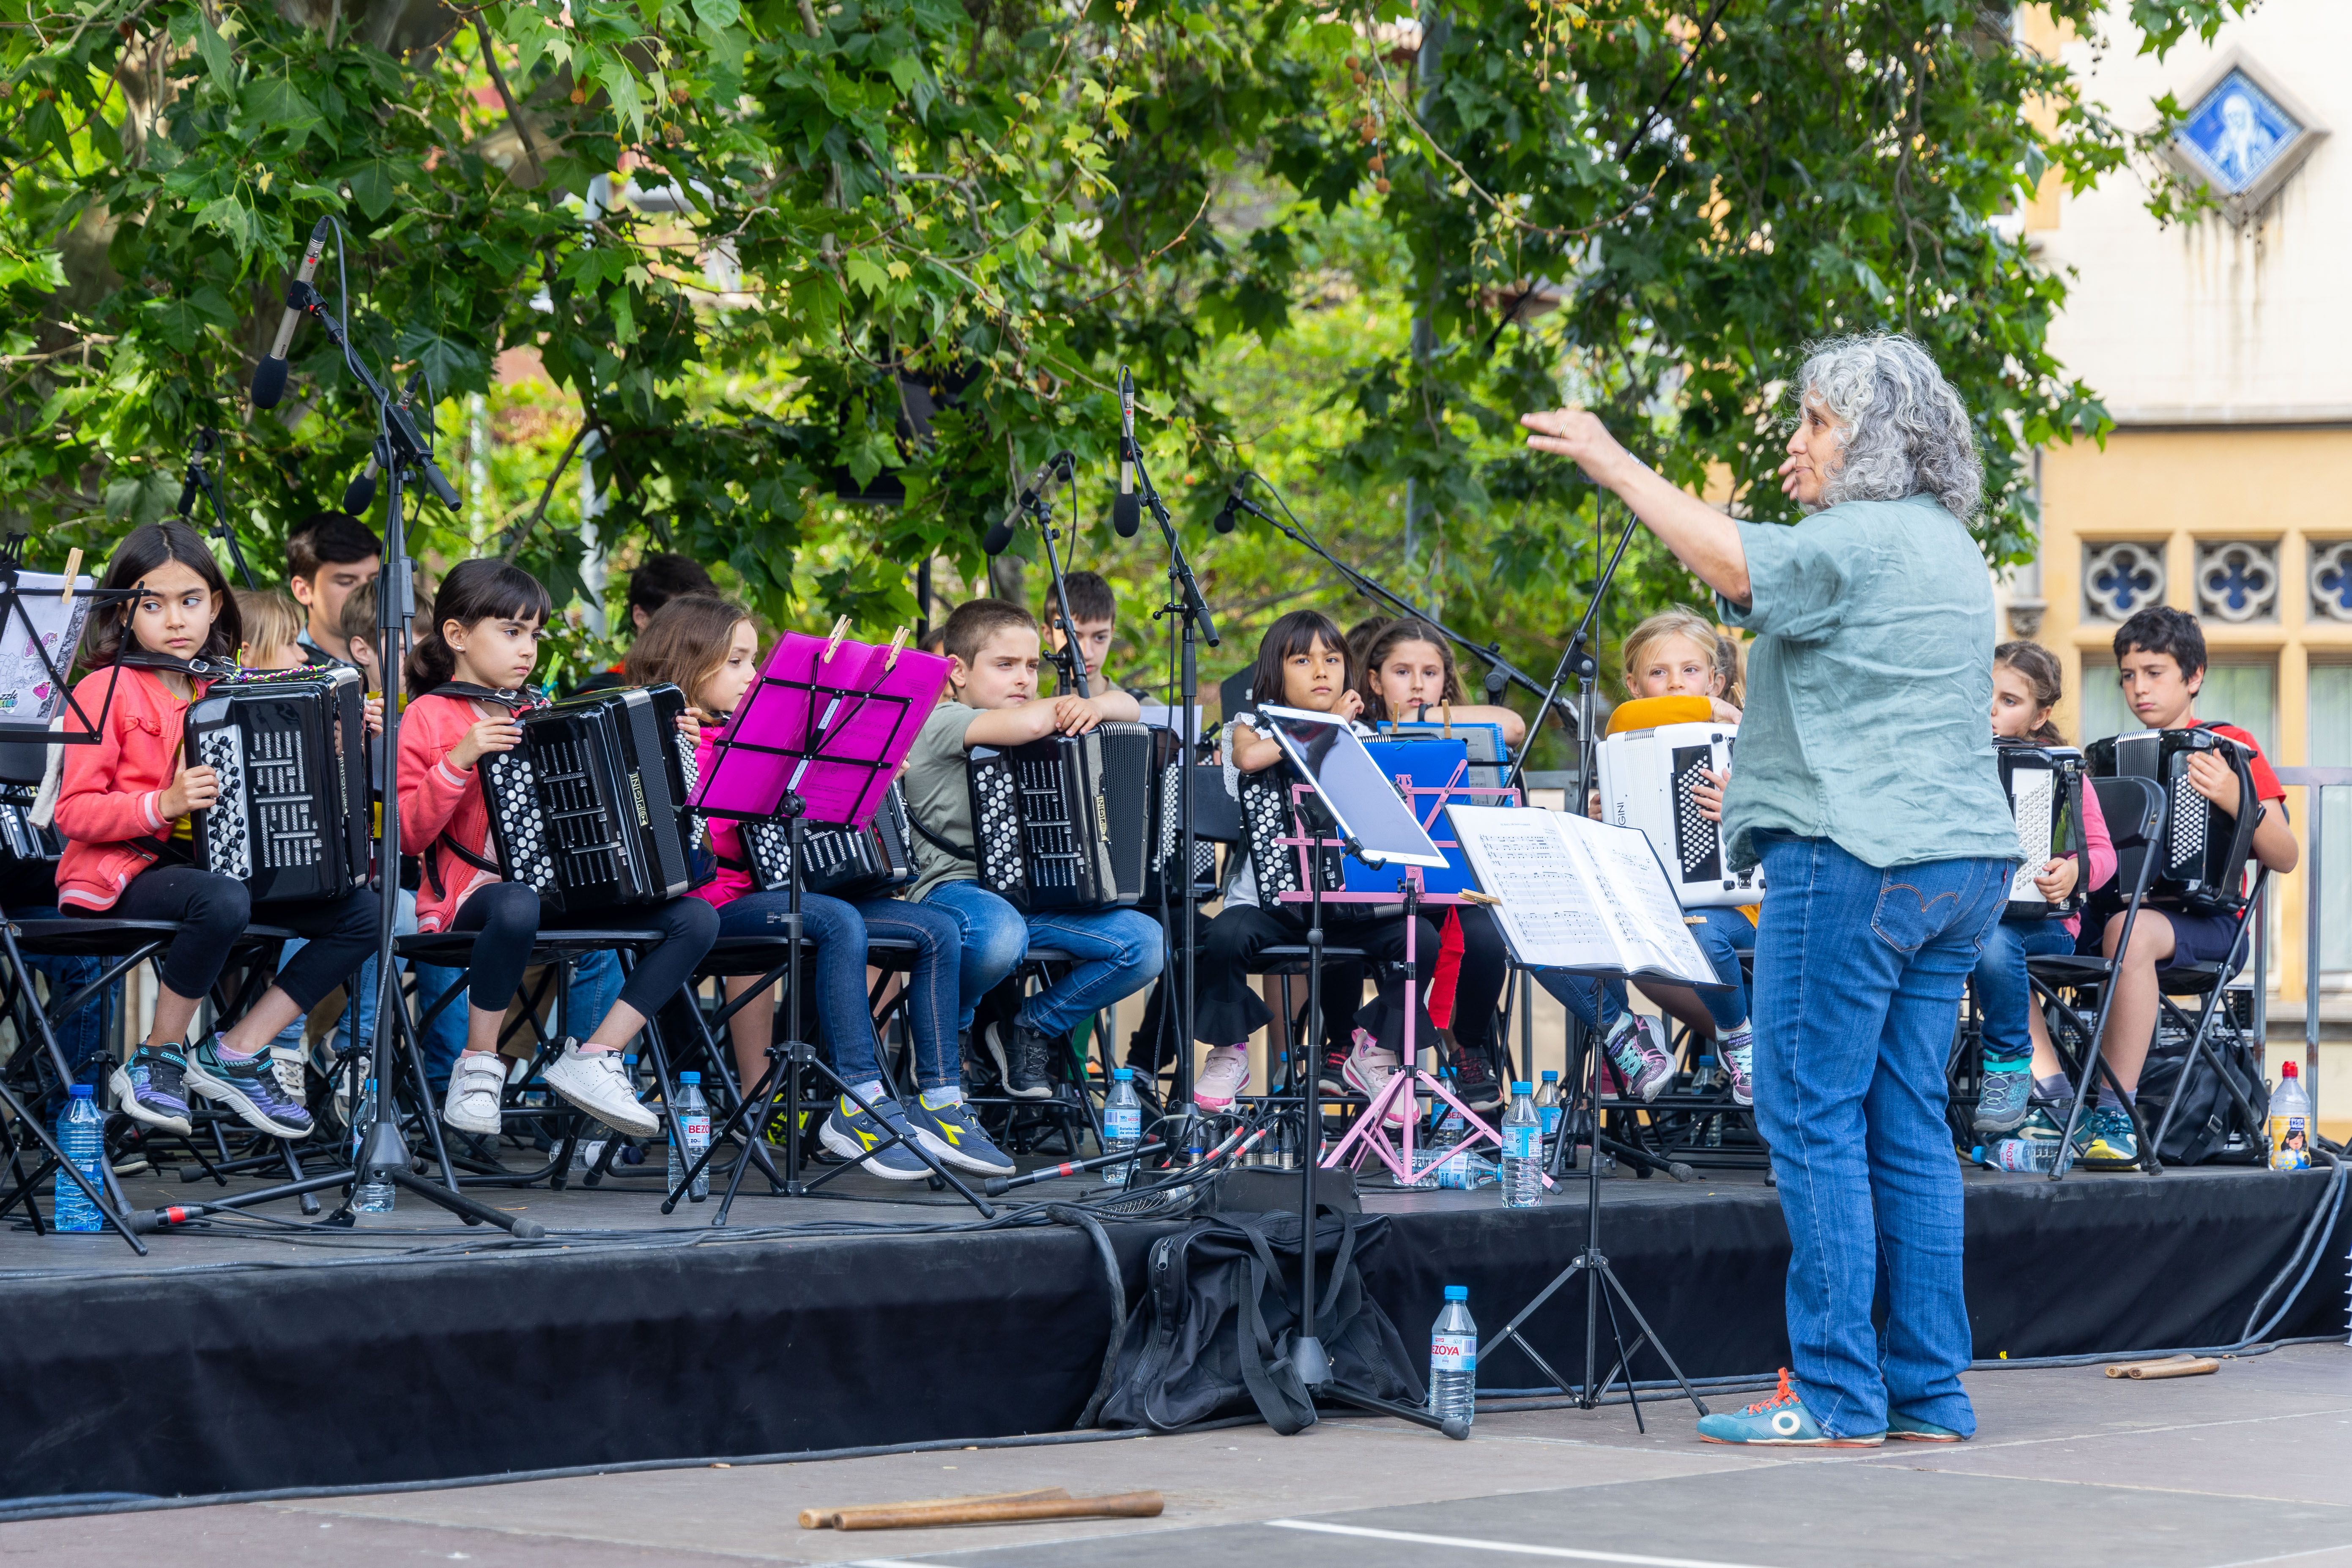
(1785, 1396)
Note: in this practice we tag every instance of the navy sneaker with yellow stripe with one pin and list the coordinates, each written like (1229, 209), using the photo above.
(864, 1137)
(2106, 1140)
(1780, 1422)
(950, 1134)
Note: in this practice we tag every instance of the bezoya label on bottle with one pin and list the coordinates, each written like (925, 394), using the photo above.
(2290, 1144)
(1123, 1121)
(1453, 1352)
(1519, 1139)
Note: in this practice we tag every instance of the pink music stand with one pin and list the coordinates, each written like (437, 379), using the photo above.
(829, 720)
(1370, 1136)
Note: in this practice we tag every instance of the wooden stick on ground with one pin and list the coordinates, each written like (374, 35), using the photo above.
(827, 1518)
(1120, 1505)
(2169, 1367)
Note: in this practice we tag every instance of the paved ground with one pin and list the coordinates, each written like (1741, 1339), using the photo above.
(2252, 1465)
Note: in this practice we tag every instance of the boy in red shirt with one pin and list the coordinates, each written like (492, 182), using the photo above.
(2161, 655)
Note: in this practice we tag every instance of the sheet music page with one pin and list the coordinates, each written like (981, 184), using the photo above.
(1548, 911)
(27, 692)
(1640, 903)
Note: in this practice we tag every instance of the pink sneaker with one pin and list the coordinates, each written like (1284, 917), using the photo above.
(1222, 1077)
(1369, 1068)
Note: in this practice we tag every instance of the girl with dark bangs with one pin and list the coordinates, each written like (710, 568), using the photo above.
(125, 807)
(470, 667)
(1302, 662)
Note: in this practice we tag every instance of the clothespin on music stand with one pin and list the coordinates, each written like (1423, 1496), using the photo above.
(840, 630)
(898, 642)
(1445, 720)
(1475, 897)
(73, 565)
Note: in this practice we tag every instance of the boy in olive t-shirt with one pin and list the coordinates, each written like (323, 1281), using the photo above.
(993, 649)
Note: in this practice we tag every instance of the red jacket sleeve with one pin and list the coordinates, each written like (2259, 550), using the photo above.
(430, 788)
(89, 808)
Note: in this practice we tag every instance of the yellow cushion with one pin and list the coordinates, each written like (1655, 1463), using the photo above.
(1649, 712)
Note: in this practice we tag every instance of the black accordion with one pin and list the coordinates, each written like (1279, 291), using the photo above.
(2201, 851)
(845, 862)
(292, 819)
(2045, 798)
(590, 810)
(1068, 821)
(1268, 816)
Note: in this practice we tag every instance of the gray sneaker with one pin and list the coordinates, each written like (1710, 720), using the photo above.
(855, 1134)
(2006, 1096)
(952, 1135)
(250, 1088)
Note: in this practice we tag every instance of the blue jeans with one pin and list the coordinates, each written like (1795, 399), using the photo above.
(1597, 1004)
(81, 1034)
(993, 939)
(1859, 975)
(1723, 935)
(2005, 995)
(1120, 952)
(841, 931)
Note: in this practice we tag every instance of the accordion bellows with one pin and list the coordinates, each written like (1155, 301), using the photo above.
(292, 820)
(589, 810)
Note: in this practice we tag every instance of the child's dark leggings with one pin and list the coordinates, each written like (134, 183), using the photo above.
(213, 912)
(507, 916)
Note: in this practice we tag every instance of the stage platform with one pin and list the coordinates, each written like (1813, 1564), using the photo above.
(257, 1355)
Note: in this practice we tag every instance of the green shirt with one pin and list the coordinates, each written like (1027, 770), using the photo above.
(1869, 689)
(938, 785)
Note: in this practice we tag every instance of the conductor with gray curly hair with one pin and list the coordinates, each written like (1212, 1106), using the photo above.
(1866, 787)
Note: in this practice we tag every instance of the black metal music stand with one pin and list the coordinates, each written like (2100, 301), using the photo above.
(196, 478)
(401, 451)
(812, 731)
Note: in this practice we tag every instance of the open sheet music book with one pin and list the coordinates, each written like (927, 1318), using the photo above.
(1579, 894)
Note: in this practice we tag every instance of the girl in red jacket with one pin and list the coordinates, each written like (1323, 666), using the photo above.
(470, 665)
(123, 807)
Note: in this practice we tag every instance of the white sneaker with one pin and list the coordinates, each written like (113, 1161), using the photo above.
(1223, 1076)
(287, 1062)
(595, 1082)
(1368, 1070)
(343, 1082)
(476, 1085)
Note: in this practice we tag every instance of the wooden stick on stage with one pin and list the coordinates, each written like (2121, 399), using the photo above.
(2170, 1366)
(1120, 1505)
(826, 1518)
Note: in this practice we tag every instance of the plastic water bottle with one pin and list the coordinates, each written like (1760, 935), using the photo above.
(693, 1119)
(1122, 1124)
(1465, 1173)
(1454, 1358)
(2024, 1154)
(1442, 1138)
(1548, 1107)
(81, 1134)
(2290, 1130)
(1522, 1150)
(374, 1193)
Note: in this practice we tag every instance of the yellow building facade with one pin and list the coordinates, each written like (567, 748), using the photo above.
(2224, 349)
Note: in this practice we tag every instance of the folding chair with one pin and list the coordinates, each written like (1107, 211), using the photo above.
(557, 949)
(2134, 809)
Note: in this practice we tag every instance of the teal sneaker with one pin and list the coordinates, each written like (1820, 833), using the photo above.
(2105, 1141)
(248, 1087)
(1911, 1429)
(1780, 1422)
(2005, 1098)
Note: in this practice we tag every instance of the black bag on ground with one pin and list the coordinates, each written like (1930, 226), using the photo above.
(2211, 1125)
(1213, 1335)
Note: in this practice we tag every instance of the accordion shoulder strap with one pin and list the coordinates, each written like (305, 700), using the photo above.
(938, 842)
(466, 689)
(431, 864)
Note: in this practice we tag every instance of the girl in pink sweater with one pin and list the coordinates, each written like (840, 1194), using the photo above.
(123, 807)
(470, 667)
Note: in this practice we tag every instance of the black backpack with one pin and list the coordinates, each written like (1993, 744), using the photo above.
(1213, 1337)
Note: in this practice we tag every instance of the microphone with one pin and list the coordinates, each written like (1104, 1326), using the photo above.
(994, 540)
(1229, 514)
(1127, 509)
(269, 375)
(360, 494)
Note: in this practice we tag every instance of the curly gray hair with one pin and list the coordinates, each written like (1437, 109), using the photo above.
(1906, 432)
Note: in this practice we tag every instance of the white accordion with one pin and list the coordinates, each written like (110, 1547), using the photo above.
(1649, 778)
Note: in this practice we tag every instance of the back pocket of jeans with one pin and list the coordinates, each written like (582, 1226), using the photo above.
(1912, 908)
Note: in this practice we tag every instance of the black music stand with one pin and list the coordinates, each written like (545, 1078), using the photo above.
(822, 711)
(102, 1195)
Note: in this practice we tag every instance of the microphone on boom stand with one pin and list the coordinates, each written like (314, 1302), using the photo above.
(1127, 508)
(269, 375)
(1001, 534)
